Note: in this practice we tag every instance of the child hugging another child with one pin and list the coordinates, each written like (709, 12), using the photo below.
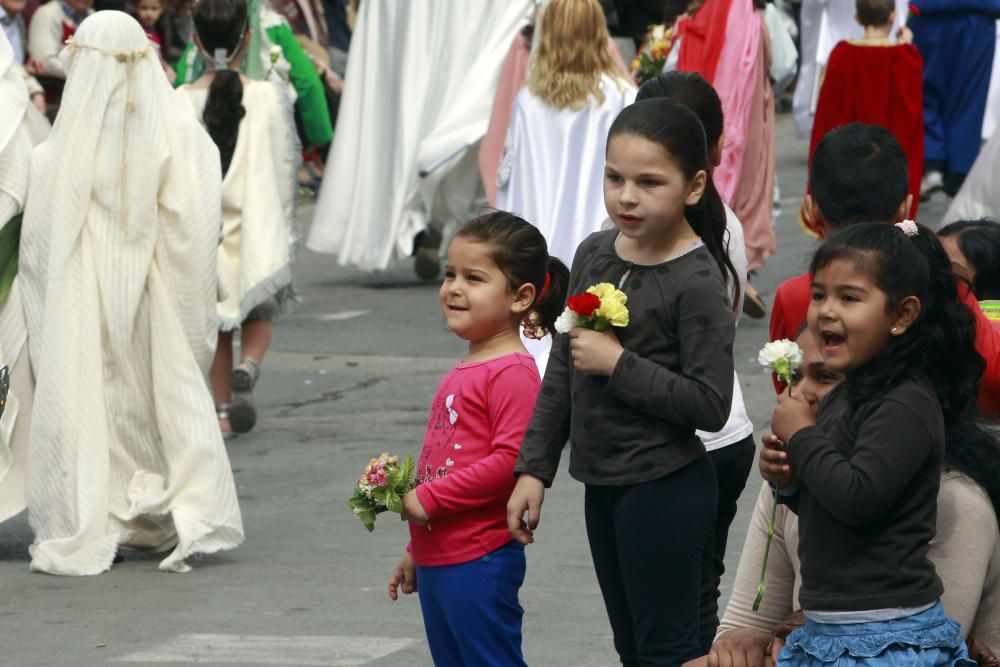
(629, 401)
(251, 124)
(468, 569)
(885, 313)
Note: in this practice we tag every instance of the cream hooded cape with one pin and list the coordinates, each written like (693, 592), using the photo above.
(15, 160)
(119, 285)
(258, 201)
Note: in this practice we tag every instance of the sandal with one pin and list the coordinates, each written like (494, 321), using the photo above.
(222, 412)
(243, 414)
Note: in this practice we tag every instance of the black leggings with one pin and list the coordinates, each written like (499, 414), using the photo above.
(648, 541)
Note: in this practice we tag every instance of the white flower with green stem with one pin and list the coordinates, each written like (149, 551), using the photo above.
(781, 357)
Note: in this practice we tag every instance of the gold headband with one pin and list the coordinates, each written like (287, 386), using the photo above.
(121, 56)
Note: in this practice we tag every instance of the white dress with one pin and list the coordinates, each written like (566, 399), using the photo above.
(118, 271)
(420, 83)
(552, 169)
(979, 196)
(15, 161)
(258, 202)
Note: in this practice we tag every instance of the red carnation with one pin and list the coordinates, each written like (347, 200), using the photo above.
(585, 304)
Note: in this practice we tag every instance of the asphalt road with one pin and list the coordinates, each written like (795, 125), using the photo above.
(351, 373)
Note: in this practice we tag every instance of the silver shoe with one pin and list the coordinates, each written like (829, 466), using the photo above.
(222, 412)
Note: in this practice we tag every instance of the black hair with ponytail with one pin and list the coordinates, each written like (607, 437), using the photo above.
(221, 25)
(979, 241)
(520, 252)
(677, 130)
(693, 91)
(940, 344)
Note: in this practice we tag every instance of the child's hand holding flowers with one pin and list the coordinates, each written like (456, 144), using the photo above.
(792, 414)
(588, 319)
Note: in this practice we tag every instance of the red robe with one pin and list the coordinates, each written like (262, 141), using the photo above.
(702, 37)
(877, 85)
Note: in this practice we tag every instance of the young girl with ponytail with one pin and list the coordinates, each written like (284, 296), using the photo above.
(252, 126)
(468, 569)
(629, 400)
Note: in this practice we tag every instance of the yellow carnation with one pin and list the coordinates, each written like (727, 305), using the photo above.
(614, 312)
(608, 292)
(635, 64)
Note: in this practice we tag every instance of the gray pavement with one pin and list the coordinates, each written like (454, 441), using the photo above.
(351, 373)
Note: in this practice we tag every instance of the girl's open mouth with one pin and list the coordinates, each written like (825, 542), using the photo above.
(831, 339)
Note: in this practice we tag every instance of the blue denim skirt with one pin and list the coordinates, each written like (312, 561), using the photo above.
(924, 639)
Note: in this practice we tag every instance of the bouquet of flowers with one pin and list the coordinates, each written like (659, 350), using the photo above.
(381, 488)
(652, 54)
(781, 357)
(600, 307)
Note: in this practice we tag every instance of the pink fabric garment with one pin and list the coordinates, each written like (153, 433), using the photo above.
(466, 470)
(735, 81)
(753, 200)
(512, 76)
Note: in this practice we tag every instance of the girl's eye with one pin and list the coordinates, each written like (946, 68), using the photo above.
(817, 296)
(449, 274)
(796, 378)
(827, 378)
(849, 298)
(475, 279)
(614, 178)
(649, 182)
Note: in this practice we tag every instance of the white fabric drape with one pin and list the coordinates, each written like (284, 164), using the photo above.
(258, 201)
(552, 169)
(15, 160)
(823, 24)
(979, 196)
(421, 78)
(118, 270)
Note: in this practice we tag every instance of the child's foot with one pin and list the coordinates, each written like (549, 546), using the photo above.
(933, 181)
(753, 305)
(222, 412)
(243, 414)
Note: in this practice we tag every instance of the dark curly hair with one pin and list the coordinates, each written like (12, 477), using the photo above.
(221, 24)
(520, 252)
(940, 344)
(979, 241)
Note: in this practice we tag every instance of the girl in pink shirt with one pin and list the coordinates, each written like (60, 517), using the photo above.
(468, 569)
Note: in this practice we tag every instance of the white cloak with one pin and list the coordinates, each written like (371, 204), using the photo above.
(118, 270)
(420, 83)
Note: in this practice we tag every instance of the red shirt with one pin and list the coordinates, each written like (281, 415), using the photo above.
(791, 303)
(466, 470)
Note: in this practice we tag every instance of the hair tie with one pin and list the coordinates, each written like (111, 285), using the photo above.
(909, 228)
(545, 287)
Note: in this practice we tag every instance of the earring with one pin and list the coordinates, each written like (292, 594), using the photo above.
(893, 331)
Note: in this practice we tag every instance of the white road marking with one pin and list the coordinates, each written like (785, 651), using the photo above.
(325, 651)
(342, 315)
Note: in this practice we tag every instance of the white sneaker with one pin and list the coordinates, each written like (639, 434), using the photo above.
(933, 181)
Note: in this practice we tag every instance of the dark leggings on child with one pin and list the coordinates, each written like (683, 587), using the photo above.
(647, 541)
(732, 467)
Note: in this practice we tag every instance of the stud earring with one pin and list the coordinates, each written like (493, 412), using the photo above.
(893, 331)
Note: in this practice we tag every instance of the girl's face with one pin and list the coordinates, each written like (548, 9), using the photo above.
(813, 380)
(645, 191)
(149, 12)
(848, 316)
(475, 296)
(959, 262)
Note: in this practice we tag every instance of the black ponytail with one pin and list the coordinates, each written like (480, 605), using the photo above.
(520, 252)
(679, 132)
(221, 25)
(940, 344)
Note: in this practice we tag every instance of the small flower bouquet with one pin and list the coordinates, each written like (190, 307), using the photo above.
(652, 55)
(781, 357)
(600, 307)
(381, 488)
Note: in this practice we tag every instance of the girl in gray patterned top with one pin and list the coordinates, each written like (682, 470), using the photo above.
(629, 401)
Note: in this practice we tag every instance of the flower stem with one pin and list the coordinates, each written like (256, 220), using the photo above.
(767, 550)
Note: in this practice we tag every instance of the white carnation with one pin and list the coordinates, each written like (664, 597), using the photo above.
(567, 321)
(777, 350)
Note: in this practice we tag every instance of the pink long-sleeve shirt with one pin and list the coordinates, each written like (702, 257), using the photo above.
(466, 469)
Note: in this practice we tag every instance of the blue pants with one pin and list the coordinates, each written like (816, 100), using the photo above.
(958, 61)
(471, 612)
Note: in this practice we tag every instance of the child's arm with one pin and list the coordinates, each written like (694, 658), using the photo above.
(892, 444)
(311, 101)
(701, 394)
(511, 399)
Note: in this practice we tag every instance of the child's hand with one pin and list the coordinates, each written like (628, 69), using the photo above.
(405, 576)
(595, 353)
(773, 462)
(904, 35)
(792, 414)
(413, 511)
(528, 496)
(740, 646)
